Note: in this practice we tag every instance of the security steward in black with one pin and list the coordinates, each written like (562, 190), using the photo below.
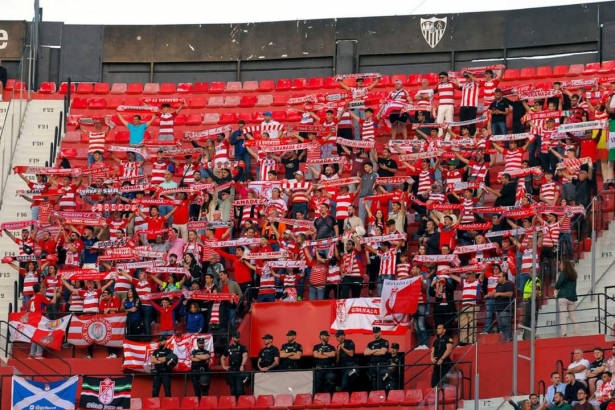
(441, 355)
(392, 373)
(291, 352)
(345, 359)
(162, 372)
(324, 360)
(377, 352)
(234, 361)
(200, 368)
(269, 356)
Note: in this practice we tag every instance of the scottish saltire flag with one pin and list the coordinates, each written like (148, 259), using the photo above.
(28, 394)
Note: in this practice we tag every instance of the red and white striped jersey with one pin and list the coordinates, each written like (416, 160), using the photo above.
(221, 153)
(425, 181)
(350, 265)
(446, 92)
(90, 300)
(546, 143)
(387, 263)
(403, 270)
(467, 213)
(398, 95)
(265, 165)
(324, 177)
(564, 223)
(550, 234)
(158, 169)
(267, 283)
(29, 280)
(478, 172)
(114, 225)
(342, 204)
(469, 94)
(489, 91)
(21, 243)
(424, 93)
(299, 194)
(195, 248)
(513, 158)
(250, 213)
(492, 282)
(122, 284)
(527, 260)
(97, 142)
(368, 130)
(345, 121)
(130, 169)
(167, 123)
(333, 274)
(51, 284)
(549, 189)
(454, 176)
(76, 303)
(436, 197)
(470, 293)
(290, 281)
(68, 201)
(143, 288)
(279, 204)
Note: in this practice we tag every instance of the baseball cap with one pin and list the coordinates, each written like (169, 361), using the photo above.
(376, 329)
(398, 81)
(267, 113)
(291, 333)
(236, 334)
(200, 340)
(267, 337)
(162, 338)
(340, 333)
(324, 333)
(394, 345)
(299, 172)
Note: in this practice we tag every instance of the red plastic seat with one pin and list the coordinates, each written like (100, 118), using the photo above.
(293, 116)
(85, 88)
(150, 403)
(10, 84)
(170, 403)
(527, 73)
(102, 88)
(431, 77)
(560, 70)
(413, 397)
(135, 403)
(264, 402)
(184, 88)
(122, 137)
(279, 100)
(132, 102)
(283, 401)
(299, 83)
(246, 117)
(215, 102)
(227, 118)
(396, 396)
(211, 118)
(250, 86)
(339, 400)
(119, 88)
(151, 88)
(320, 401)
(217, 87)
(248, 101)
(544, 86)
(79, 103)
(544, 72)
(591, 68)
(246, 401)
(302, 400)
(511, 74)
(283, 84)
(190, 403)
(607, 67)
(357, 399)
(575, 70)
(198, 102)
(265, 86)
(134, 88)
(264, 100)
(402, 77)
(385, 81)
(315, 83)
(19, 85)
(227, 402)
(194, 119)
(72, 137)
(375, 398)
(47, 88)
(201, 87)
(180, 120)
(208, 402)
(97, 103)
(233, 86)
(167, 88)
(231, 101)
(279, 115)
(63, 88)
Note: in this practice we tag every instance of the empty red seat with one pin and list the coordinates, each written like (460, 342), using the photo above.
(575, 70)
(135, 403)
(246, 117)
(97, 103)
(122, 137)
(217, 87)
(167, 88)
(339, 400)
(215, 102)
(246, 401)
(431, 77)
(190, 403)
(265, 86)
(170, 403)
(231, 101)
(279, 100)
(247, 101)
(250, 86)
(198, 102)
(151, 88)
(331, 82)
(544, 72)
(264, 100)
(233, 86)
(134, 88)
(150, 403)
(201, 87)
(607, 67)
(283, 401)
(63, 88)
(85, 88)
(299, 83)
(79, 103)
(320, 401)
(119, 88)
(375, 398)
(227, 402)
(385, 81)
(47, 88)
(102, 88)
(19, 85)
(560, 70)
(302, 400)
(412, 397)
(194, 119)
(314, 83)
(396, 396)
(450, 395)
(208, 402)
(263, 402)
(283, 84)
(357, 399)
(511, 74)
(131, 101)
(527, 73)
(591, 68)
(184, 88)
(227, 118)
(279, 115)
(210, 118)
(72, 137)
(544, 86)
(180, 119)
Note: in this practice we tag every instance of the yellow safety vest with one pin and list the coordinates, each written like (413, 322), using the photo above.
(527, 289)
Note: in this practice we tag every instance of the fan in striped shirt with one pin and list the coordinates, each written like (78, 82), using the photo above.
(167, 122)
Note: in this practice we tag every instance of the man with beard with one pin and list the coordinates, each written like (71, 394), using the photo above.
(324, 359)
(291, 352)
(269, 356)
(161, 360)
(376, 351)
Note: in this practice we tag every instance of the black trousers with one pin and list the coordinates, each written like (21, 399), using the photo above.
(200, 383)
(374, 375)
(440, 372)
(352, 285)
(324, 380)
(466, 114)
(165, 380)
(389, 379)
(235, 382)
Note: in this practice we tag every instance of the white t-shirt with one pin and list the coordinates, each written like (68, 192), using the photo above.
(580, 375)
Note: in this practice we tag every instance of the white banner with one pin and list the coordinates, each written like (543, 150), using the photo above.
(360, 315)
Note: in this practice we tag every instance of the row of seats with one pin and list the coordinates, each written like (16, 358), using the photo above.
(339, 400)
(314, 83)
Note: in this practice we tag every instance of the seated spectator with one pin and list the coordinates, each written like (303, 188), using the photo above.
(557, 386)
(595, 370)
(572, 387)
(579, 366)
(582, 403)
(603, 393)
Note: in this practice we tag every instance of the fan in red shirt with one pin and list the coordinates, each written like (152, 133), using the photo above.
(155, 222)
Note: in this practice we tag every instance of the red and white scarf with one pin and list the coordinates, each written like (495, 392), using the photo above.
(476, 248)
(355, 144)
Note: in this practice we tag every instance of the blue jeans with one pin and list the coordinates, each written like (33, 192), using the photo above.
(362, 211)
(534, 146)
(165, 209)
(489, 311)
(302, 281)
(301, 206)
(504, 323)
(265, 298)
(419, 324)
(316, 293)
(498, 128)
(381, 280)
(567, 239)
(34, 210)
(147, 312)
(356, 125)
(245, 157)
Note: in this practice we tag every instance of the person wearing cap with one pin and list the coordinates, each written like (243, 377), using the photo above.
(269, 356)
(345, 359)
(441, 355)
(324, 360)
(161, 370)
(377, 353)
(358, 93)
(234, 360)
(392, 374)
(269, 125)
(291, 352)
(200, 358)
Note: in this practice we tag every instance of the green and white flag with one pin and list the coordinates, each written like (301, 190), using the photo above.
(610, 143)
(106, 393)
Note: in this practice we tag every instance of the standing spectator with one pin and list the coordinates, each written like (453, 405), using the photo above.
(136, 129)
(566, 287)
(526, 303)
(109, 304)
(424, 98)
(230, 306)
(441, 355)
(469, 100)
(503, 295)
(579, 366)
(507, 195)
(469, 309)
(325, 225)
(37, 305)
(446, 105)
(134, 321)
(499, 108)
(167, 122)
(358, 93)
(368, 181)
(269, 125)
(489, 86)
(350, 269)
(166, 316)
(96, 140)
(397, 119)
(238, 139)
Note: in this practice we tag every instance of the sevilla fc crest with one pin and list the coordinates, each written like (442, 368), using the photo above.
(433, 30)
(105, 392)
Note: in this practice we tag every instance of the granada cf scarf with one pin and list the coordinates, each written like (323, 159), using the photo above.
(160, 101)
(318, 129)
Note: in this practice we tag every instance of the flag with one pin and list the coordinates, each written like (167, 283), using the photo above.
(105, 392)
(610, 144)
(137, 355)
(34, 327)
(58, 395)
(105, 330)
(400, 296)
(360, 315)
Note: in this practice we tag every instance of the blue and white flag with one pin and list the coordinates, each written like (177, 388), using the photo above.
(60, 395)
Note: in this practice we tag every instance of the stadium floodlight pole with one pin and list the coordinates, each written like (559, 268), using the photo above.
(533, 313)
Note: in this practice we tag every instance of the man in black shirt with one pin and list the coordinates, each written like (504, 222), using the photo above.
(345, 359)
(325, 224)
(234, 360)
(503, 294)
(291, 164)
(595, 370)
(507, 195)
(269, 356)
(572, 387)
(324, 359)
(291, 352)
(387, 167)
(160, 359)
(392, 374)
(557, 86)
(499, 108)
(376, 351)
(441, 355)
(200, 367)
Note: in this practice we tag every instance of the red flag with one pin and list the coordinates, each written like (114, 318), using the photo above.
(34, 327)
(400, 296)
